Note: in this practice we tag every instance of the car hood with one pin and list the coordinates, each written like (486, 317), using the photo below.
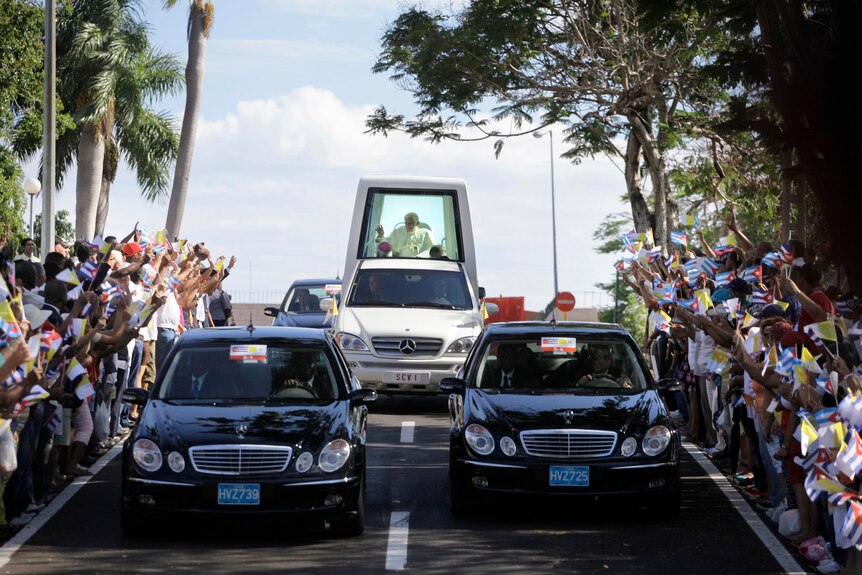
(368, 322)
(193, 424)
(620, 413)
(315, 320)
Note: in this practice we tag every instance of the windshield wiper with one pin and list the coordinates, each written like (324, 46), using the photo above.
(428, 304)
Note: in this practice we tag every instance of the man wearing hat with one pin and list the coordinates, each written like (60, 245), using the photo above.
(61, 246)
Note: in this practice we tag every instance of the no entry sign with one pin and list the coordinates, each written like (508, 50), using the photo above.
(565, 301)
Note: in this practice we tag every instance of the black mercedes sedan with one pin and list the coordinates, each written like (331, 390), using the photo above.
(256, 420)
(560, 409)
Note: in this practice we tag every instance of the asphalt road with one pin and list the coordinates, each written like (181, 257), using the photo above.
(409, 527)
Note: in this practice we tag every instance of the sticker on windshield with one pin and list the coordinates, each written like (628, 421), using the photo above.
(332, 288)
(248, 353)
(559, 345)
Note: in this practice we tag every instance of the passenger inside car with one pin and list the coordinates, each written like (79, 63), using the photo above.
(507, 373)
(304, 301)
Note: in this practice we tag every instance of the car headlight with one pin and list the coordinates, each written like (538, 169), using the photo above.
(656, 440)
(147, 455)
(350, 342)
(304, 462)
(507, 446)
(630, 445)
(463, 345)
(176, 462)
(334, 455)
(479, 439)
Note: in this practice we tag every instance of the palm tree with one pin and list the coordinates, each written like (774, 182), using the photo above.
(108, 78)
(200, 21)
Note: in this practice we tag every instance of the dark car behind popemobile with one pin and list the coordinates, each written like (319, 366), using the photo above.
(227, 429)
(301, 306)
(584, 418)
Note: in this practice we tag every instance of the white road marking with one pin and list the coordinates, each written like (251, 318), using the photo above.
(396, 548)
(407, 429)
(788, 563)
(12, 545)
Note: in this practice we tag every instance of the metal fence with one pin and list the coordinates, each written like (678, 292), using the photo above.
(583, 299)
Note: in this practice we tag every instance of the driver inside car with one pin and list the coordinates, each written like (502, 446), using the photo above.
(300, 374)
(600, 367)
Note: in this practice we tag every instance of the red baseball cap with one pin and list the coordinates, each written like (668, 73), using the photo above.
(132, 248)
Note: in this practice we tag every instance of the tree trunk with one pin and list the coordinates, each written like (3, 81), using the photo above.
(195, 69)
(91, 156)
(655, 164)
(640, 211)
(102, 209)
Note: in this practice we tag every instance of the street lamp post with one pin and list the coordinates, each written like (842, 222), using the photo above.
(539, 134)
(32, 186)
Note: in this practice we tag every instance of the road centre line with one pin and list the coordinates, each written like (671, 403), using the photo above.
(12, 545)
(407, 429)
(396, 548)
(788, 563)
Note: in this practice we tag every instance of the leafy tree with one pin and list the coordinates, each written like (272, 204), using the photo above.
(603, 69)
(20, 90)
(108, 75)
(630, 311)
(63, 228)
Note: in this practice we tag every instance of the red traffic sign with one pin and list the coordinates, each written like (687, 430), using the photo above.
(565, 301)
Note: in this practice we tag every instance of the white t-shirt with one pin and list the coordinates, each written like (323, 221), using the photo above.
(168, 316)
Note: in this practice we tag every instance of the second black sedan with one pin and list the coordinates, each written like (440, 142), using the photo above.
(249, 421)
(566, 409)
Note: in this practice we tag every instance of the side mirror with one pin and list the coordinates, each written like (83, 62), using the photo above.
(136, 395)
(492, 308)
(325, 303)
(669, 385)
(363, 396)
(270, 311)
(481, 292)
(453, 385)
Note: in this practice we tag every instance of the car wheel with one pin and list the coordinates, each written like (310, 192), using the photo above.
(133, 524)
(461, 501)
(666, 505)
(354, 525)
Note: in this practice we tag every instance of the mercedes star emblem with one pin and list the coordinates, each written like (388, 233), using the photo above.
(241, 430)
(568, 415)
(407, 346)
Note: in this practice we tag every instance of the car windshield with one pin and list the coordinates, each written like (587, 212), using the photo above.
(410, 288)
(306, 298)
(558, 364)
(249, 372)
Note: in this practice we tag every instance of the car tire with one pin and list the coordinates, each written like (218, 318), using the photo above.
(666, 505)
(133, 524)
(355, 525)
(461, 503)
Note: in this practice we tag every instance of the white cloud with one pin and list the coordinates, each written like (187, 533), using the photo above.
(274, 182)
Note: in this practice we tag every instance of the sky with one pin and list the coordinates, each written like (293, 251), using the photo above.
(281, 147)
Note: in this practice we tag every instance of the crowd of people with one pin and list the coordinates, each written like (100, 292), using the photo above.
(766, 345)
(77, 328)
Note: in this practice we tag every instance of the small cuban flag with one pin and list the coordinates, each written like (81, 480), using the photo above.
(724, 278)
(849, 459)
(679, 238)
(761, 296)
(88, 270)
(852, 528)
(753, 274)
(772, 259)
(786, 253)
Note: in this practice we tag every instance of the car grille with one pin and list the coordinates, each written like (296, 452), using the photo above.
(568, 443)
(425, 346)
(239, 459)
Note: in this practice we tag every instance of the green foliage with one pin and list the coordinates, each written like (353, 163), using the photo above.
(63, 228)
